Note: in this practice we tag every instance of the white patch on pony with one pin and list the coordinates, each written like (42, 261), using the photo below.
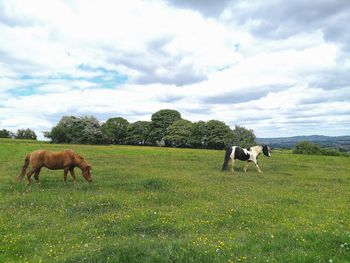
(232, 156)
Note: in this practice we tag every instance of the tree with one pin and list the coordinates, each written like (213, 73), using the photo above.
(68, 130)
(25, 134)
(138, 133)
(199, 135)
(71, 129)
(58, 134)
(243, 137)
(5, 134)
(161, 120)
(115, 130)
(178, 134)
(306, 147)
(91, 133)
(219, 135)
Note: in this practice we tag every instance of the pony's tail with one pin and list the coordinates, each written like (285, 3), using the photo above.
(24, 168)
(227, 158)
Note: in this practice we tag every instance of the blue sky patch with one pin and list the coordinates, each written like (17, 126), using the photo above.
(23, 91)
(103, 79)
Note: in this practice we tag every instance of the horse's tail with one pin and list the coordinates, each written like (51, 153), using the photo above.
(227, 158)
(24, 168)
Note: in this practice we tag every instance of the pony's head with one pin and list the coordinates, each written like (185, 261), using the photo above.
(84, 166)
(87, 174)
(266, 150)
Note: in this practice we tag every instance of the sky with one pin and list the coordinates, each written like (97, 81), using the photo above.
(279, 67)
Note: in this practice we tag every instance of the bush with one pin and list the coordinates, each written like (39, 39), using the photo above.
(312, 148)
(330, 152)
(306, 147)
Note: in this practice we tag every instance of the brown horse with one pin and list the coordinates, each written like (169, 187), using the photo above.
(66, 160)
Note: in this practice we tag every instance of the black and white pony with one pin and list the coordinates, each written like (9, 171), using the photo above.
(250, 155)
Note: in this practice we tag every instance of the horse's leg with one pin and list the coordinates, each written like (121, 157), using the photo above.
(29, 174)
(36, 175)
(65, 174)
(232, 166)
(246, 167)
(71, 171)
(257, 167)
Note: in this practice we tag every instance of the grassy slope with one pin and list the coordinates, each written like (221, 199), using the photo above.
(159, 205)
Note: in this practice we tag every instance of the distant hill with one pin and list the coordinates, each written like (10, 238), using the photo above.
(339, 142)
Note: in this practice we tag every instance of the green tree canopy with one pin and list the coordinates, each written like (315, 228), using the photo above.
(219, 135)
(199, 135)
(243, 137)
(5, 133)
(71, 129)
(161, 120)
(178, 134)
(92, 130)
(166, 128)
(25, 134)
(115, 130)
(138, 133)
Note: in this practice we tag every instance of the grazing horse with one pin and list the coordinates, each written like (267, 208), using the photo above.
(250, 155)
(66, 160)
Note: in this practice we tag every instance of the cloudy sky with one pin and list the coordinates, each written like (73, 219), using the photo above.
(279, 67)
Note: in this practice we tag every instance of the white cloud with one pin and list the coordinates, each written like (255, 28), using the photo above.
(234, 62)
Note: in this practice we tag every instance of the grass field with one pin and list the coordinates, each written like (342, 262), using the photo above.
(174, 205)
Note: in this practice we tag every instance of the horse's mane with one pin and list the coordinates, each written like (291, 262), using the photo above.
(75, 155)
(79, 156)
(82, 163)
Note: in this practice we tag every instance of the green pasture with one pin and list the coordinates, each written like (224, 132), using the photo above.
(149, 204)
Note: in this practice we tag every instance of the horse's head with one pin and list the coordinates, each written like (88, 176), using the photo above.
(266, 150)
(84, 166)
(87, 173)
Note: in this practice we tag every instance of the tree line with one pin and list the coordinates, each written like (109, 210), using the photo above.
(166, 128)
(20, 134)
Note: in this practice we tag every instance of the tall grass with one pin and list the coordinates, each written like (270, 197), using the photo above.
(150, 204)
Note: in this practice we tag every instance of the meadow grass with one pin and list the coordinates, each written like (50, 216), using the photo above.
(149, 204)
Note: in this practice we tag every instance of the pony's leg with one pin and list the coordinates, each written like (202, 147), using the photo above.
(71, 171)
(36, 175)
(246, 167)
(257, 167)
(232, 166)
(29, 174)
(65, 174)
